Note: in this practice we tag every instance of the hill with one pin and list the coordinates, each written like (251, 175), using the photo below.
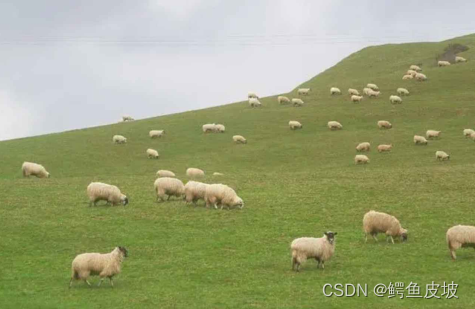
(294, 183)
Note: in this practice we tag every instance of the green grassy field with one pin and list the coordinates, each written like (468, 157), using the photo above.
(294, 184)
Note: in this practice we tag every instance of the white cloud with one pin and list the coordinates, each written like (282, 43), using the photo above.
(15, 120)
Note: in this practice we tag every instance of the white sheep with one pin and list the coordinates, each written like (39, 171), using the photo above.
(420, 140)
(194, 173)
(361, 159)
(252, 95)
(460, 59)
(356, 98)
(394, 99)
(297, 102)
(152, 154)
(402, 91)
(366, 91)
(334, 125)
(433, 134)
(303, 91)
(373, 87)
(293, 125)
(334, 90)
(219, 194)
(165, 173)
(127, 118)
(352, 92)
(156, 133)
(98, 191)
(105, 265)
(443, 63)
(468, 132)
(373, 94)
(119, 139)
(415, 68)
(384, 124)
(379, 222)
(220, 128)
(442, 156)
(239, 139)
(363, 147)
(405, 77)
(168, 186)
(209, 127)
(254, 102)
(33, 169)
(283, 100)
(420, 77)
(411, 72)
(460, 236)
(385, 148)
(321, 249)
(195, 191)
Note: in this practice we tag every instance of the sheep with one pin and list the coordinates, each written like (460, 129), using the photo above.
(420, 140)
(411, 72)
(30, 168)
(239, 139)
(405, 77)
(460, 59)
(321, 249)
(119, 139)
(460, 236)
(105, 265)
(220, 128)
(366, 91)
(352, 92)
(283, 100)
(363, 147)
(361, 159)
(98, 191)
(293, 125)
(194, 173)
(433, 134)
(385, 148)
(209, 127)
(420, 77)
(373, 94)
(373, 87)
(195, 191)
(219, 194)
(334, 90)
(168, 186)
(415, 68)
(334, 125)
(394, 99)
(379, 222)
(297, 102)
(356, 98)
(303, 91)
(441, 156)
(252, 95)
(402, 91)
(218, 174)
(468, 132)
(443, 63)
(165, 173)
(253, 102)
(127, 118)
(152, 154)
(156, 133)
(383, 124)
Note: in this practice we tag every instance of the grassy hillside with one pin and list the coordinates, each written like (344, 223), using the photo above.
(294, 183)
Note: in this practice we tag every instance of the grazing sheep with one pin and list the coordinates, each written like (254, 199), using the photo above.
(356, 98)
(168, 186)
(218, 194)
(415, 68)
(152, 154)
(295, 125)
(379, 222)
(297, 102)
(334, 125)
(460, 236)
(209, 127)
(420, 77)
(156, 133)
(334, 90)
(394, 99)
(405, 77)
(385, 148)
(321, 249)
(239, 139)
(105, 265)
(283, 100)
(218, 174)
(127, 118)
(383, 124)
(98, 191)
(468, 132)
(219, 128)
(433, 134)
(361, 159)
(194, 173)
(442, 156)
(366, 91)
(402, 91)
(195, 191)
(253, 102)
(303, 91)
(28, 169)
(165, 173)
(420, 140)
(411, 72)
(352, 92)
(363, 147)
(443, 63)
(252, 95)
(373, 94)
(460, 59)
(373, 87)
(119, 139)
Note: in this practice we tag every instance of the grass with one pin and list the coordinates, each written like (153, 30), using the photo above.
(294, 183)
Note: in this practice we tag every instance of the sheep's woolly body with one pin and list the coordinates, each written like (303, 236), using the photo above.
(309, 247)
(460, 236)
(334, 125)
(433, 134)
(156, 133)
(420, 140)
(195, 191)
(165, 173)
(373, 87)
(98, 191)
(293, 125)
(468, 132)
(405, 77)
(415, 68)
(373, 94)
(168, 186)
(402, 91)
(366, 91)
(194, 172)
(119, 139)
(253, 102)
(220, 128)
(443, 63)
(420, 77)
(442, 155)
(379, 222)
(32, 169)
(303, 91)
(219, 194)
(127, 118)
(239, 139)
(352, 91)
(411, 72)
(383, 124)
(334, 90)
(356, 98)
(384, 148)
(152, 154)
(297, 102)
(361, 159)
(363, 146)
(283, 100)
(460, 59)
(394, 99)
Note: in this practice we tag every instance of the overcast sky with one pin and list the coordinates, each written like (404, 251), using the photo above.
(75, 64)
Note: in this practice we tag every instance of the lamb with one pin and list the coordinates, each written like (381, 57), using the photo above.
(195, 191)
(98, 191)
(165, 173)
(303, 91)
(420, 140)
(415, 68)
(254, 102)
(468, 132)
(443, 63)
(356, 98)
(119, 139)
(379, 222)
(433, 134)
(152, 154)
(295, 125)
(373, 87)
(394, 99)
(105, 265)
(366, 91)
(361, 159)
(127, 118)
(405, 77)
(297, 102)
(194, 173)
(334, 125)
(156, 133)
(252, 95)
(209, 127)
(460, 236)
(460, 59)
(220, 128)
(334, 90)
(321, 249)
(168, 186)
(219, 194)
(441, 156)
(411, 72)
(373, 94)
(363, 147)
(420, 77)
(239, 139)
(30, 168)
(283, 100)
(385, 148)
(383, 124)
(352, 92)
(402, 91)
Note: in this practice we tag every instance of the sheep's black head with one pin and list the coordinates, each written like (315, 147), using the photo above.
(404, 235)
(330, 236)
(126, 201)
(124, 251)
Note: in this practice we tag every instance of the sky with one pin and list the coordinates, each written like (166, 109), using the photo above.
(74, 64)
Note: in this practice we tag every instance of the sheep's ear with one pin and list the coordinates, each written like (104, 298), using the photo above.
(325, 233)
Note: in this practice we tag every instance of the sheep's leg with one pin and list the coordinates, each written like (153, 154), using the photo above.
(85, 280)
(100, 282)
(323, 264)
(168, 198)
(365, 237)
(452, 254)
(215, 206)
(111, 282)
(374, 237)
(71, 282)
